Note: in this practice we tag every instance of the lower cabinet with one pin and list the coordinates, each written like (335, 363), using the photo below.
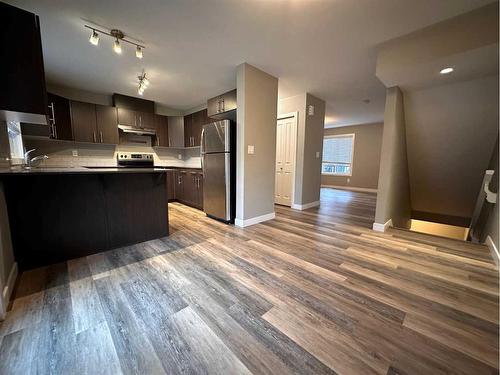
(186, 186)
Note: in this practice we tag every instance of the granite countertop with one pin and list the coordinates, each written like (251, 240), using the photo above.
(80, 170)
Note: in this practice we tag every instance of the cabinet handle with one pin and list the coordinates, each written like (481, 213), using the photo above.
(55, 131)
(223, 105)
(157, 140)
(101, 137)
(169, 144)
(93, 137)
(218, 105)
(135, 120)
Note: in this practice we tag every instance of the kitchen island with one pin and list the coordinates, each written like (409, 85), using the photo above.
(56, 214)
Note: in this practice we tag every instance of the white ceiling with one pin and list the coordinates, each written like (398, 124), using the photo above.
(325, 47)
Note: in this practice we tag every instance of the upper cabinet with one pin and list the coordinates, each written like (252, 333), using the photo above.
(223, 106)
(193, 123)
(161, 126)
(59, 118)
(94, 123)
(136, 119)
(22, 74)
(176, 131)
(107, 124)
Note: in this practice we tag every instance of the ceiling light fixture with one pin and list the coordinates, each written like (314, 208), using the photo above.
(119, 37)
(446, 70)
(94, 38)
(143, 83)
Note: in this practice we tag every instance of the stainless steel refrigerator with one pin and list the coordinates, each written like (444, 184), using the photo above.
(218, 162)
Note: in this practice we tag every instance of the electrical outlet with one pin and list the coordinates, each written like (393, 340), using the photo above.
(179, 156)
(74, 152)
(251, 149)
(310, 110)
(348, 180)
(317, 154)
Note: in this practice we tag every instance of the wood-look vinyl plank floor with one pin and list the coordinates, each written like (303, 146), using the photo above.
(311, 292)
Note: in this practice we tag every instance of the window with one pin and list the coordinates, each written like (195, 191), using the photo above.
(15, 142)
(337, 155)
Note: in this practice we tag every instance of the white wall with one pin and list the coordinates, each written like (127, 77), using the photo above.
(451, 131)
(257, 101)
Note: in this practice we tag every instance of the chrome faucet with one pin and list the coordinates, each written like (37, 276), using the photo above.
(32, 162)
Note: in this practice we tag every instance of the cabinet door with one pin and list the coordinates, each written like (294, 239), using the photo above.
(59, 117)
(228, 101)
(23, 77)
(188, 125)
(200, 190)
(198, 120)
(83, 120)
(171, 185)
(179, 187)
(145, 120)
(126, 117)
(213, 106)
(161, 126)
(190, 188)
(176, 131)
(107, 124)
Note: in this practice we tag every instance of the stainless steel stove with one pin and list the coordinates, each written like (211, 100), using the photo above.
(135, 160)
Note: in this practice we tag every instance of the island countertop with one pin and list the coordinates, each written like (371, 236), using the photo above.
(79, 170)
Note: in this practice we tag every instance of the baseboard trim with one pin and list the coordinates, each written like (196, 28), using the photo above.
(9, 287)
(382, 227)
(254, 220)
(350, 188)
(493, 250)
(305, 206)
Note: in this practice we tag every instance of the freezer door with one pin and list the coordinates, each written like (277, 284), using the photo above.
(215, 137)
(216, 185)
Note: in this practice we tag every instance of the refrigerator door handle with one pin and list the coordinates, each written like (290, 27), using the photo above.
(202, 149)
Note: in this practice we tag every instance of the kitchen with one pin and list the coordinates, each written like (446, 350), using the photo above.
(62, 144)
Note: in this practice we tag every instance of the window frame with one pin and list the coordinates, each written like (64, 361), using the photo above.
(353, 135)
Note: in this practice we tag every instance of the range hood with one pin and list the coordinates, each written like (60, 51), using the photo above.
(138, 131)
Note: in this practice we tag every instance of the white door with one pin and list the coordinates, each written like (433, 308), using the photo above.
(285, 160)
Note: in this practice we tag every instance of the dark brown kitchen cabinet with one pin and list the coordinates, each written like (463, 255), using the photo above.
(161, 126)
(83, 121)
(145, 120)
(126, 117)
(189, 187)
(171, 185)
(107, 124)
(221, 105)
(59, 118)
(22, 74)
(188, 125)
(94, 123)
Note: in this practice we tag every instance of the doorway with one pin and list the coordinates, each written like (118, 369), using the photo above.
(286, 145)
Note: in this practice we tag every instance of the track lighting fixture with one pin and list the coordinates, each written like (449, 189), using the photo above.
(143, 83)
(119, 37)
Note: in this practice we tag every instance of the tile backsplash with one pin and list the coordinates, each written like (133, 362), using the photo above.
(61, 154)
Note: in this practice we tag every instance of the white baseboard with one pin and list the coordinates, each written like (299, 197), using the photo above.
(350, 188)
(305, 206)
(254, 220)
(382, 227)
(493, 249)
(7, 290)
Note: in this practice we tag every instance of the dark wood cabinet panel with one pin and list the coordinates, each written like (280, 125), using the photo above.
(22, 74)
(188, 125)
(179, 187)
(161, 126)
(200, 190)
(189, 187)
(145, 120)
(59, 117)
(222, 104)
(171, 185)
(126, 117)
(198, 120)
(107, 124)
(83, 120)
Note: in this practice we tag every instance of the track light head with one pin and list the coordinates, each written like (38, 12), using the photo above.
(94, 38)
(117, 47)
(139, 52)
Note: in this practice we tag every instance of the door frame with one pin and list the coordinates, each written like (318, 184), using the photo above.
(295, 116)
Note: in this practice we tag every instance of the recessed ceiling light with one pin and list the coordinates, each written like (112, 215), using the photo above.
(447, 70)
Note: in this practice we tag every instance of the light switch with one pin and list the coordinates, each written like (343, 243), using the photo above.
(317, 154)
(251, 149)
(74, 152)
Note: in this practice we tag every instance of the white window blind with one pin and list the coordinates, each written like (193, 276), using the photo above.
(337, 154)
